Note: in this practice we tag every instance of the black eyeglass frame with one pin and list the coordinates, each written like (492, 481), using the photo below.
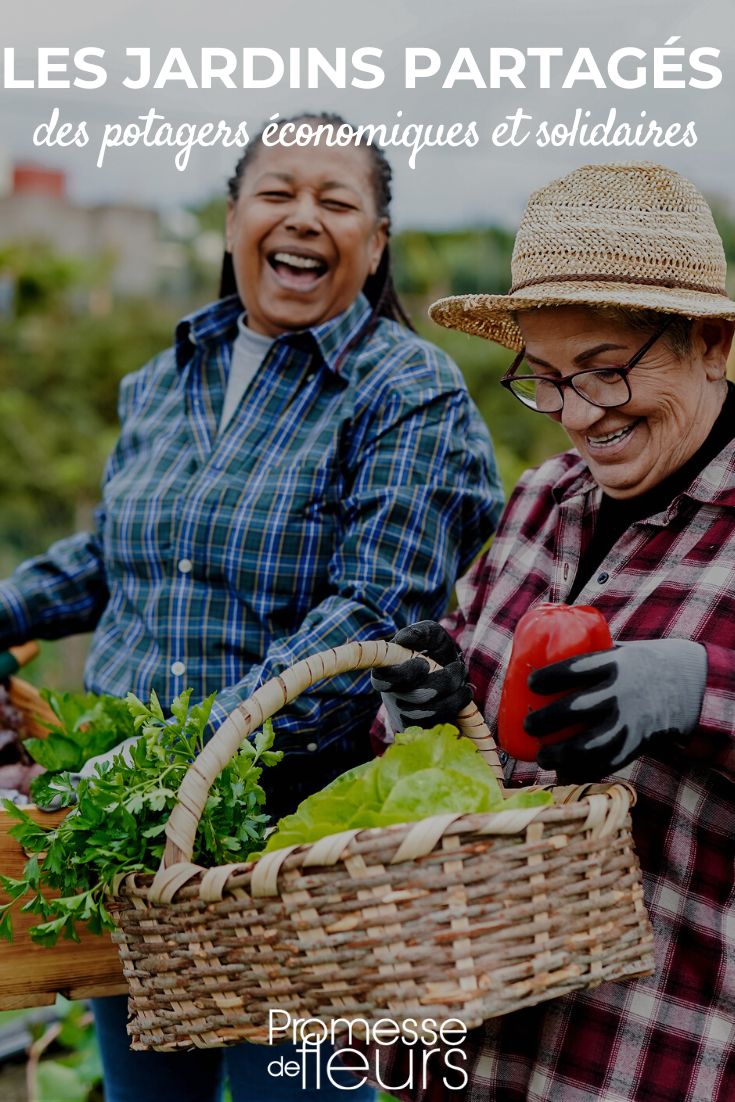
(622, 369)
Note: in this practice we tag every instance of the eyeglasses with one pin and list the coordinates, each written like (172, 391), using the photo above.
(606, 387)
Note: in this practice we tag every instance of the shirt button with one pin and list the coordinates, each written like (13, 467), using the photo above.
(184, 565)
(178, 669)
(603, 577)
(312, 746)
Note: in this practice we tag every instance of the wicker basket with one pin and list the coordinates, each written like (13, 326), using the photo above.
(36, 712)
(30, 974)
(463, 916)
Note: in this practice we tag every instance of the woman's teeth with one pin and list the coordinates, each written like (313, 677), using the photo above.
(611, 437)
(295, 261)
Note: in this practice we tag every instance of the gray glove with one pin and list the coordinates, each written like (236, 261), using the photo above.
(90, 766)
(88, 770)
(413, 696)
(625, 697)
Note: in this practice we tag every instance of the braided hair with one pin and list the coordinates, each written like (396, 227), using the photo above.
(379, 288)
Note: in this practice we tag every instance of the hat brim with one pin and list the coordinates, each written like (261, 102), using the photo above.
(491, 316)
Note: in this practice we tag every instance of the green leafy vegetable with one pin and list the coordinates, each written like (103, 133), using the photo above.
(117, 826)
(88, 725)
(74, 1072)
(423, 773)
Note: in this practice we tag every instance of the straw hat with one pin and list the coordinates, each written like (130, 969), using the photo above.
(631, 235)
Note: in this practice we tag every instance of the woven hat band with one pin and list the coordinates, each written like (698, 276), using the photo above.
(602, 277)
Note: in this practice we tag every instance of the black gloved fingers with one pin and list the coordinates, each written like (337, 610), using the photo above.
(582, 766)
(429, 638)
(589, 756)
(402, 677)
(439, 686)
(580, 672)
(413, 677)
(574, 771)
(443, 709)
(463, 697)
(441, 683)
(590, 708)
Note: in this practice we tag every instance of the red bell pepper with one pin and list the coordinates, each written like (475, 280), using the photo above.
(545, 634)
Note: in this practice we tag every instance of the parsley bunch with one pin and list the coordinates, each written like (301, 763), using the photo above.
(117, 826)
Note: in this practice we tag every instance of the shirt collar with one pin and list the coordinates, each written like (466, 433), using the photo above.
(714, 485)
(335, 336)
(217, 323)
(211, 324)
(575, 480)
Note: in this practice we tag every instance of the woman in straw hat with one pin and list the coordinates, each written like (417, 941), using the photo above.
(621, 326)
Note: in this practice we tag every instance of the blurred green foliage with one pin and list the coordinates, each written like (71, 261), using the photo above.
(61, 362)
(72, 1072)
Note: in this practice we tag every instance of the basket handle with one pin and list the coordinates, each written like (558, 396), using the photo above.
(265, 702)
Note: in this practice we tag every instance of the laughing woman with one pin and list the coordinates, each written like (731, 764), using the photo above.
(298, 470)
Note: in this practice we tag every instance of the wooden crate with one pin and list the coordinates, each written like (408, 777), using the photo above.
(31, 975)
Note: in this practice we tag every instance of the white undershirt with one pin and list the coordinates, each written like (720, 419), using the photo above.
(248, 353)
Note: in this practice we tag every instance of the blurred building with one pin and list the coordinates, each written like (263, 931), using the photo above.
(34, 206)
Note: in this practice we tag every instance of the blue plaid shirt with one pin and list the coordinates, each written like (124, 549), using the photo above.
(355, 482)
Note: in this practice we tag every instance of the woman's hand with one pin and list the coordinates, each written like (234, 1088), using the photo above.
(123, 749)
(410, 693)
(89, 769)
(625, 697)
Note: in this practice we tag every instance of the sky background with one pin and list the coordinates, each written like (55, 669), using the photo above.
(448, 187)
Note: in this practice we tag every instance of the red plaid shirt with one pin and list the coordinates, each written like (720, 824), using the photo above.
(670, 1036)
